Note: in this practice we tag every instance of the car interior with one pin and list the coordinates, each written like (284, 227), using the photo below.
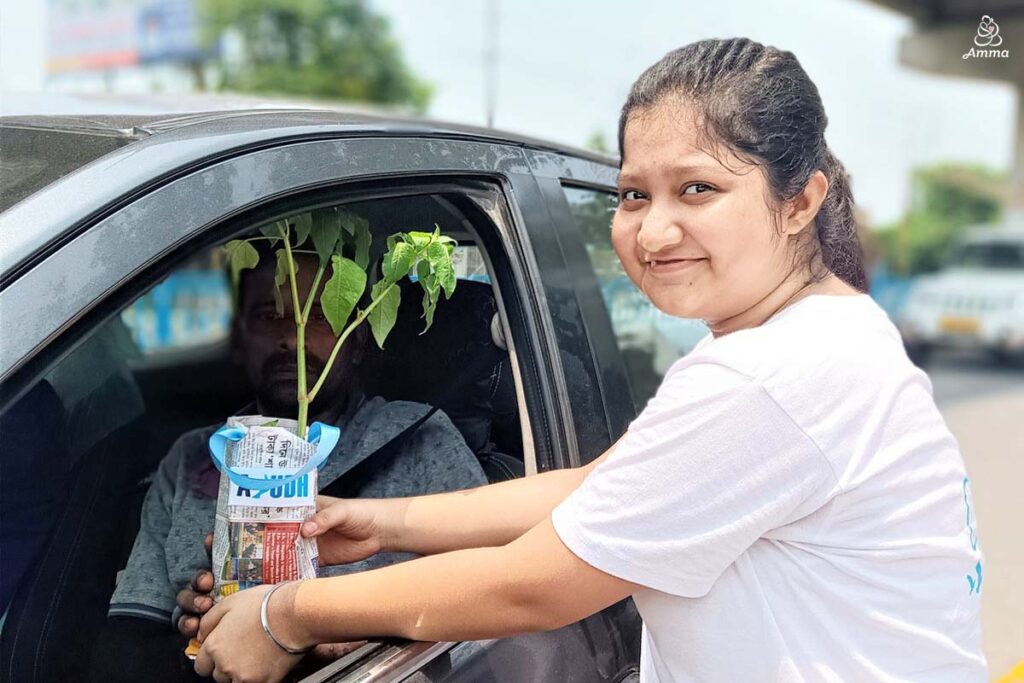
(98, 424)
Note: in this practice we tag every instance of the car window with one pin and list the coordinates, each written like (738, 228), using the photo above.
(84, 442)
(986, 255)
(649, 340)
(191, 307)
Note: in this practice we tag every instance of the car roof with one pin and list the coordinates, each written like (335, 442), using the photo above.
(65, 168)
(205, 123)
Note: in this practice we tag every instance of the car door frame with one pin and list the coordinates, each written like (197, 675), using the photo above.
(121, 259)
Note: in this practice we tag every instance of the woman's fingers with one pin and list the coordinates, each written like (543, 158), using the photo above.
(327, 518)
(211, 619)
(204, 661)
(325, 501)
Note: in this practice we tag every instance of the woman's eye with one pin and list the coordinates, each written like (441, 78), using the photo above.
(629, 195)
(687, 188)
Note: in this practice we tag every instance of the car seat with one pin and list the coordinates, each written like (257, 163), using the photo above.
(458, 366)
(60, 603)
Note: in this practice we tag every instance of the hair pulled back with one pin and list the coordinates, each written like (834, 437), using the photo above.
(759, 102)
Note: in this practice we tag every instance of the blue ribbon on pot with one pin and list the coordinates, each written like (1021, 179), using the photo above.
(323, 435)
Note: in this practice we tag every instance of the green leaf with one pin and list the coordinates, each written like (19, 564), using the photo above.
(302, 224)
(383, 316)
(281, 271)
(241, 255)
(423, 273)
(280, 278)
(353, 223)
(419, 239)
(278, 302)
(429, 305)
(444, 239)
(363, 241)
(274, 231)
(441, 260)
(398, 262)
(325, 229)
(269, 423)
(342, 292)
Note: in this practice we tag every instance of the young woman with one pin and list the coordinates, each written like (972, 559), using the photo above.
(789, 506)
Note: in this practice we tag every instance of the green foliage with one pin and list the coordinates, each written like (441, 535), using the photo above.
(335, 233)
(241, 255)
(325, 229)
(597, 142)
(334, 49)
(342, 292)
(384, 315)
(947, 199)
(280, 278)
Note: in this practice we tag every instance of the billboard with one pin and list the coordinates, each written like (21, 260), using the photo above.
(97, 35)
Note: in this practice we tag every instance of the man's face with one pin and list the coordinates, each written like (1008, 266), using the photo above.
(268, 342)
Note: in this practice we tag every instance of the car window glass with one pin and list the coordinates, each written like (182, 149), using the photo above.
(650, 341)
(99, 422)
(191, 307)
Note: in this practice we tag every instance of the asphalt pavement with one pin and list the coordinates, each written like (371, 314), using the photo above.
(983, 404)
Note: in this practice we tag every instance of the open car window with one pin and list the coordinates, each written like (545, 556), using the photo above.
(85, 441)
(649, 340)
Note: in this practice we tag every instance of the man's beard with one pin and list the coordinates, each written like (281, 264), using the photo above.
(277, 394)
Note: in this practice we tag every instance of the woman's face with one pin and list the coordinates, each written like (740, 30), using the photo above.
(695, 236)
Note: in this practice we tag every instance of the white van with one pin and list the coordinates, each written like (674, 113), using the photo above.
(976, 301)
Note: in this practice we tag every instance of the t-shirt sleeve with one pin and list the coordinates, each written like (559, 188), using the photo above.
(144, 588)
(709, 466)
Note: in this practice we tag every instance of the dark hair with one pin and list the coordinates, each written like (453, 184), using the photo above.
(761, 104)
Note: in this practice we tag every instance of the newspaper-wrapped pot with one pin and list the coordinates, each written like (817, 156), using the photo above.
(268, 486)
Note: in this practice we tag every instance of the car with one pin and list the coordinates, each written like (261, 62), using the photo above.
(976, 301)
(116, 321)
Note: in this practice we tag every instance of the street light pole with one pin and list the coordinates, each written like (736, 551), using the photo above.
(490, 59)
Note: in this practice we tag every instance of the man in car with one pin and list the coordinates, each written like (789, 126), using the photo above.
(140, 638)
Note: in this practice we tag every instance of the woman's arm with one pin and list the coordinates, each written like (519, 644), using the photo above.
(534, 583)
(426, 525)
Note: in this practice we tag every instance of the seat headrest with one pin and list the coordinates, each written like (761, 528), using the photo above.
(424, 367)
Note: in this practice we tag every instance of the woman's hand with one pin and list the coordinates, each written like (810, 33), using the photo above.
(235, 648)
(347, 530)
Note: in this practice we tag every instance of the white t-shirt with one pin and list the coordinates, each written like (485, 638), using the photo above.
(796, 509)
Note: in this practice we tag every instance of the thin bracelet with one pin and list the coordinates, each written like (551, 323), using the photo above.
(266, 625)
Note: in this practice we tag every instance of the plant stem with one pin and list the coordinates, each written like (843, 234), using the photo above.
(341, 340)
(300, 341)
(312, 292)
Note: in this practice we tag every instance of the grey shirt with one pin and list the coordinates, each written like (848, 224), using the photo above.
(181, 503)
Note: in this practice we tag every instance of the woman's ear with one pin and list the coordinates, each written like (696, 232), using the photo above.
(804, 207)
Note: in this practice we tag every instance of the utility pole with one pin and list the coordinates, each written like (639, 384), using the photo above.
(490, 59)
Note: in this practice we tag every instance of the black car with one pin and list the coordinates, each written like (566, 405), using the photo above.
(116, 317)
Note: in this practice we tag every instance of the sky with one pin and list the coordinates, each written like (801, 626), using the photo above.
(564, 69)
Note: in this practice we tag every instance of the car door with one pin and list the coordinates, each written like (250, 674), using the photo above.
(99, 251)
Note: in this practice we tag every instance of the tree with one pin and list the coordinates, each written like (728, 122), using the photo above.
(947, 198)
(335, 49)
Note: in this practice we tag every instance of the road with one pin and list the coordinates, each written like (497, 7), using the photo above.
(983, 405)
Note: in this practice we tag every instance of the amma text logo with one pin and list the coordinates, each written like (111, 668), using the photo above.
(986, 40)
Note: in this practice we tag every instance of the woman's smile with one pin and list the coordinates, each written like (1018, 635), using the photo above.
(668, 267)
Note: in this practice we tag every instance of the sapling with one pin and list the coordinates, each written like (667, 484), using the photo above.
(269, 466)
(341, 241)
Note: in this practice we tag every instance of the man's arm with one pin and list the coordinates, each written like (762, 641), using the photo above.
(491, 515)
